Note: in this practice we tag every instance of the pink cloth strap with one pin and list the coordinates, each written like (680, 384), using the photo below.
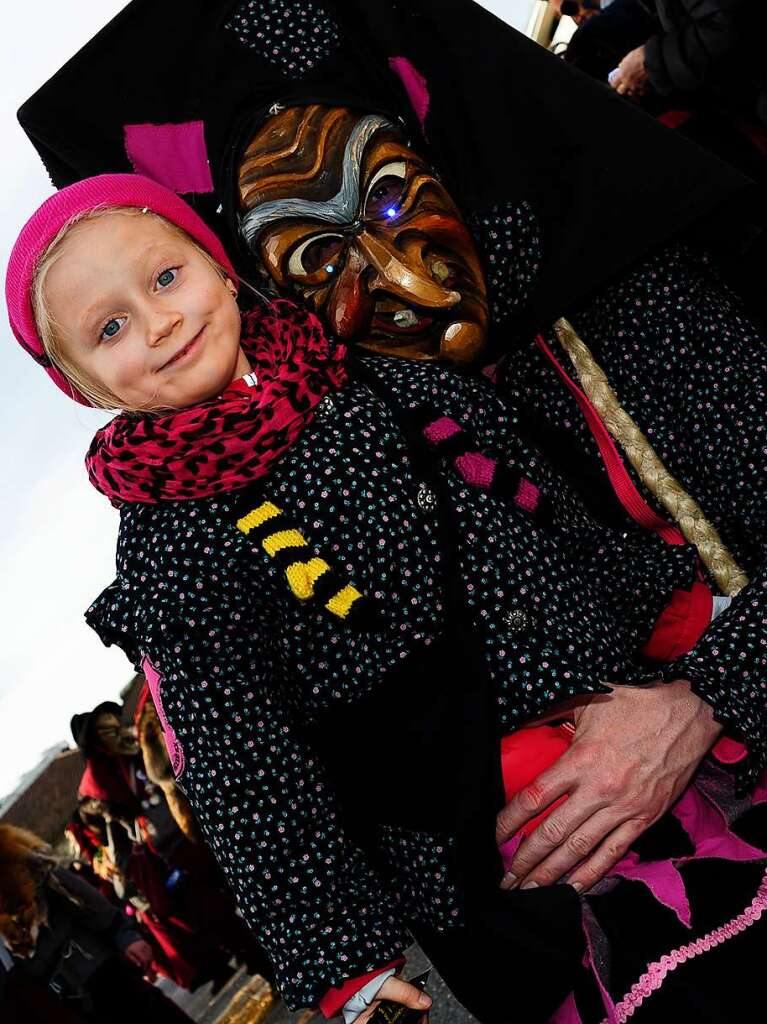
(621, 482)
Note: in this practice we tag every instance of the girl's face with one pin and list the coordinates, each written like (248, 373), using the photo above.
(141, 311)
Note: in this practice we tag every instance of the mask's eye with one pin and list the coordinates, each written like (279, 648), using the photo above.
(112, 327)
(316, 256)
(385, 190)
(167, 277)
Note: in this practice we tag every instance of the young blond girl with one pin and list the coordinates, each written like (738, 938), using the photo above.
(347, 580)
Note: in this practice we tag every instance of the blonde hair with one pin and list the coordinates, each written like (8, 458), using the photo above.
(49, 331)
(659, 481)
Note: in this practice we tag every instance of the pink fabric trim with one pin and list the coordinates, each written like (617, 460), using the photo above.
(441, 430)
(621, 482)
(662, 879)
(416, 87)
(656, 972)
(567, 1012)
(707, 828)
(527, 496)
(175, 751)
(173, 154)
(476, 469)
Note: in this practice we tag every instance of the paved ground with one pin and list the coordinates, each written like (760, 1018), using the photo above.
(244, 1000)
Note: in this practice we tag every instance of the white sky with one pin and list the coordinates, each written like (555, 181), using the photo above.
(57, 534)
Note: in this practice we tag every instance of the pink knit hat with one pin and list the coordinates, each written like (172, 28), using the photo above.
(58, 210)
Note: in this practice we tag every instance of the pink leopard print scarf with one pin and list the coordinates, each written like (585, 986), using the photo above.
(227, 442)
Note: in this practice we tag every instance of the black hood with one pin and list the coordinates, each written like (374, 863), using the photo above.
(503, 121)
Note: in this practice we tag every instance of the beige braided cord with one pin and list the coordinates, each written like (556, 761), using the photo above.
(685, 511)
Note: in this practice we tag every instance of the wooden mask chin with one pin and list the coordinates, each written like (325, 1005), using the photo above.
(343, 214)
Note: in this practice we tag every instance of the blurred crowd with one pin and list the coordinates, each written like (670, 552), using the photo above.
(140, 894)
(698, 65)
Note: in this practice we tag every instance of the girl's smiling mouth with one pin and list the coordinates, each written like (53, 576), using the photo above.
(190, 347)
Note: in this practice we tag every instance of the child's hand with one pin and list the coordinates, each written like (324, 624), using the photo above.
(396, 990)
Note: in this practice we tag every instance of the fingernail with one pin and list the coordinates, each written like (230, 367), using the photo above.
(530, 885)
(509, 880)
(578, 886)
(424, 1001)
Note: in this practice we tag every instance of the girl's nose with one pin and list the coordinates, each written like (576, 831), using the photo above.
(162, 323)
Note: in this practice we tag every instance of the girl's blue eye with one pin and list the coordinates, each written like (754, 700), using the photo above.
(110, 329)
(167, 277)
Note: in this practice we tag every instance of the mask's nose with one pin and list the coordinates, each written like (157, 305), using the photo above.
(350, 306)
(394, 274)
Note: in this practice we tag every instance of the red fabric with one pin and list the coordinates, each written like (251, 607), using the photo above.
(335, 998)
(225, 443)
(681, 624)
(108, 779)
(675, 118)
(622, 484)
(528, 752)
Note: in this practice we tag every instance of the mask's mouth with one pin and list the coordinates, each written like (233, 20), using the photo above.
(405, 322)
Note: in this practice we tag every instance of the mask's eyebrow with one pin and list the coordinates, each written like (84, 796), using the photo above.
(341, 208)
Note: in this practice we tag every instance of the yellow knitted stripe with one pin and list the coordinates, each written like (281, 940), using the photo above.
(303, 575)
(340, 603)
(282, 539)
(257, 516)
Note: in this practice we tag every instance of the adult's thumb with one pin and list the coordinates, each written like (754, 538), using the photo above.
(399, 991)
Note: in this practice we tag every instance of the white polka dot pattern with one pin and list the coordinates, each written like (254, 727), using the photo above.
(296, 35)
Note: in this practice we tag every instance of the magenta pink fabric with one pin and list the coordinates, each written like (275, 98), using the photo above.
(416, 87)
(663, 880)
(567, 1012)
(476, 469)
(527, 496)
(57, 211)
(175, 752)
(707, 828)
(441, 430)
(175, 155)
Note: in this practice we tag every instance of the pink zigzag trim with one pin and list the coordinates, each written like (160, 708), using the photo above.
(656, 972)
(175, 750)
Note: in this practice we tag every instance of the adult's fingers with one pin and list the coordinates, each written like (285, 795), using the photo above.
(613, 848)
(396, 990)
(575, 847)
(529, 802)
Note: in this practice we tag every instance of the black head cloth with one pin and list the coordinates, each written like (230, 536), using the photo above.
(174, 88)
(83, 726)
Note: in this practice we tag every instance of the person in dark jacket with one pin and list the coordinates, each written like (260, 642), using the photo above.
(182, 901)
(61, 935)
(678, 54)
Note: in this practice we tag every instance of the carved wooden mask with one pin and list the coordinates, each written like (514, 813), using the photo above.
(341, 212)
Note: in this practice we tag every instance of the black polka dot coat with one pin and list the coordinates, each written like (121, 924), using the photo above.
(348, 777)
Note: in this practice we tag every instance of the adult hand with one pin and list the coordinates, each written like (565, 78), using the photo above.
(630, 78)
(397, 991)
(140, 953)
(634, 752)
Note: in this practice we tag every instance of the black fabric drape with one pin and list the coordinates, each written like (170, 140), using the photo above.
(507, 121)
